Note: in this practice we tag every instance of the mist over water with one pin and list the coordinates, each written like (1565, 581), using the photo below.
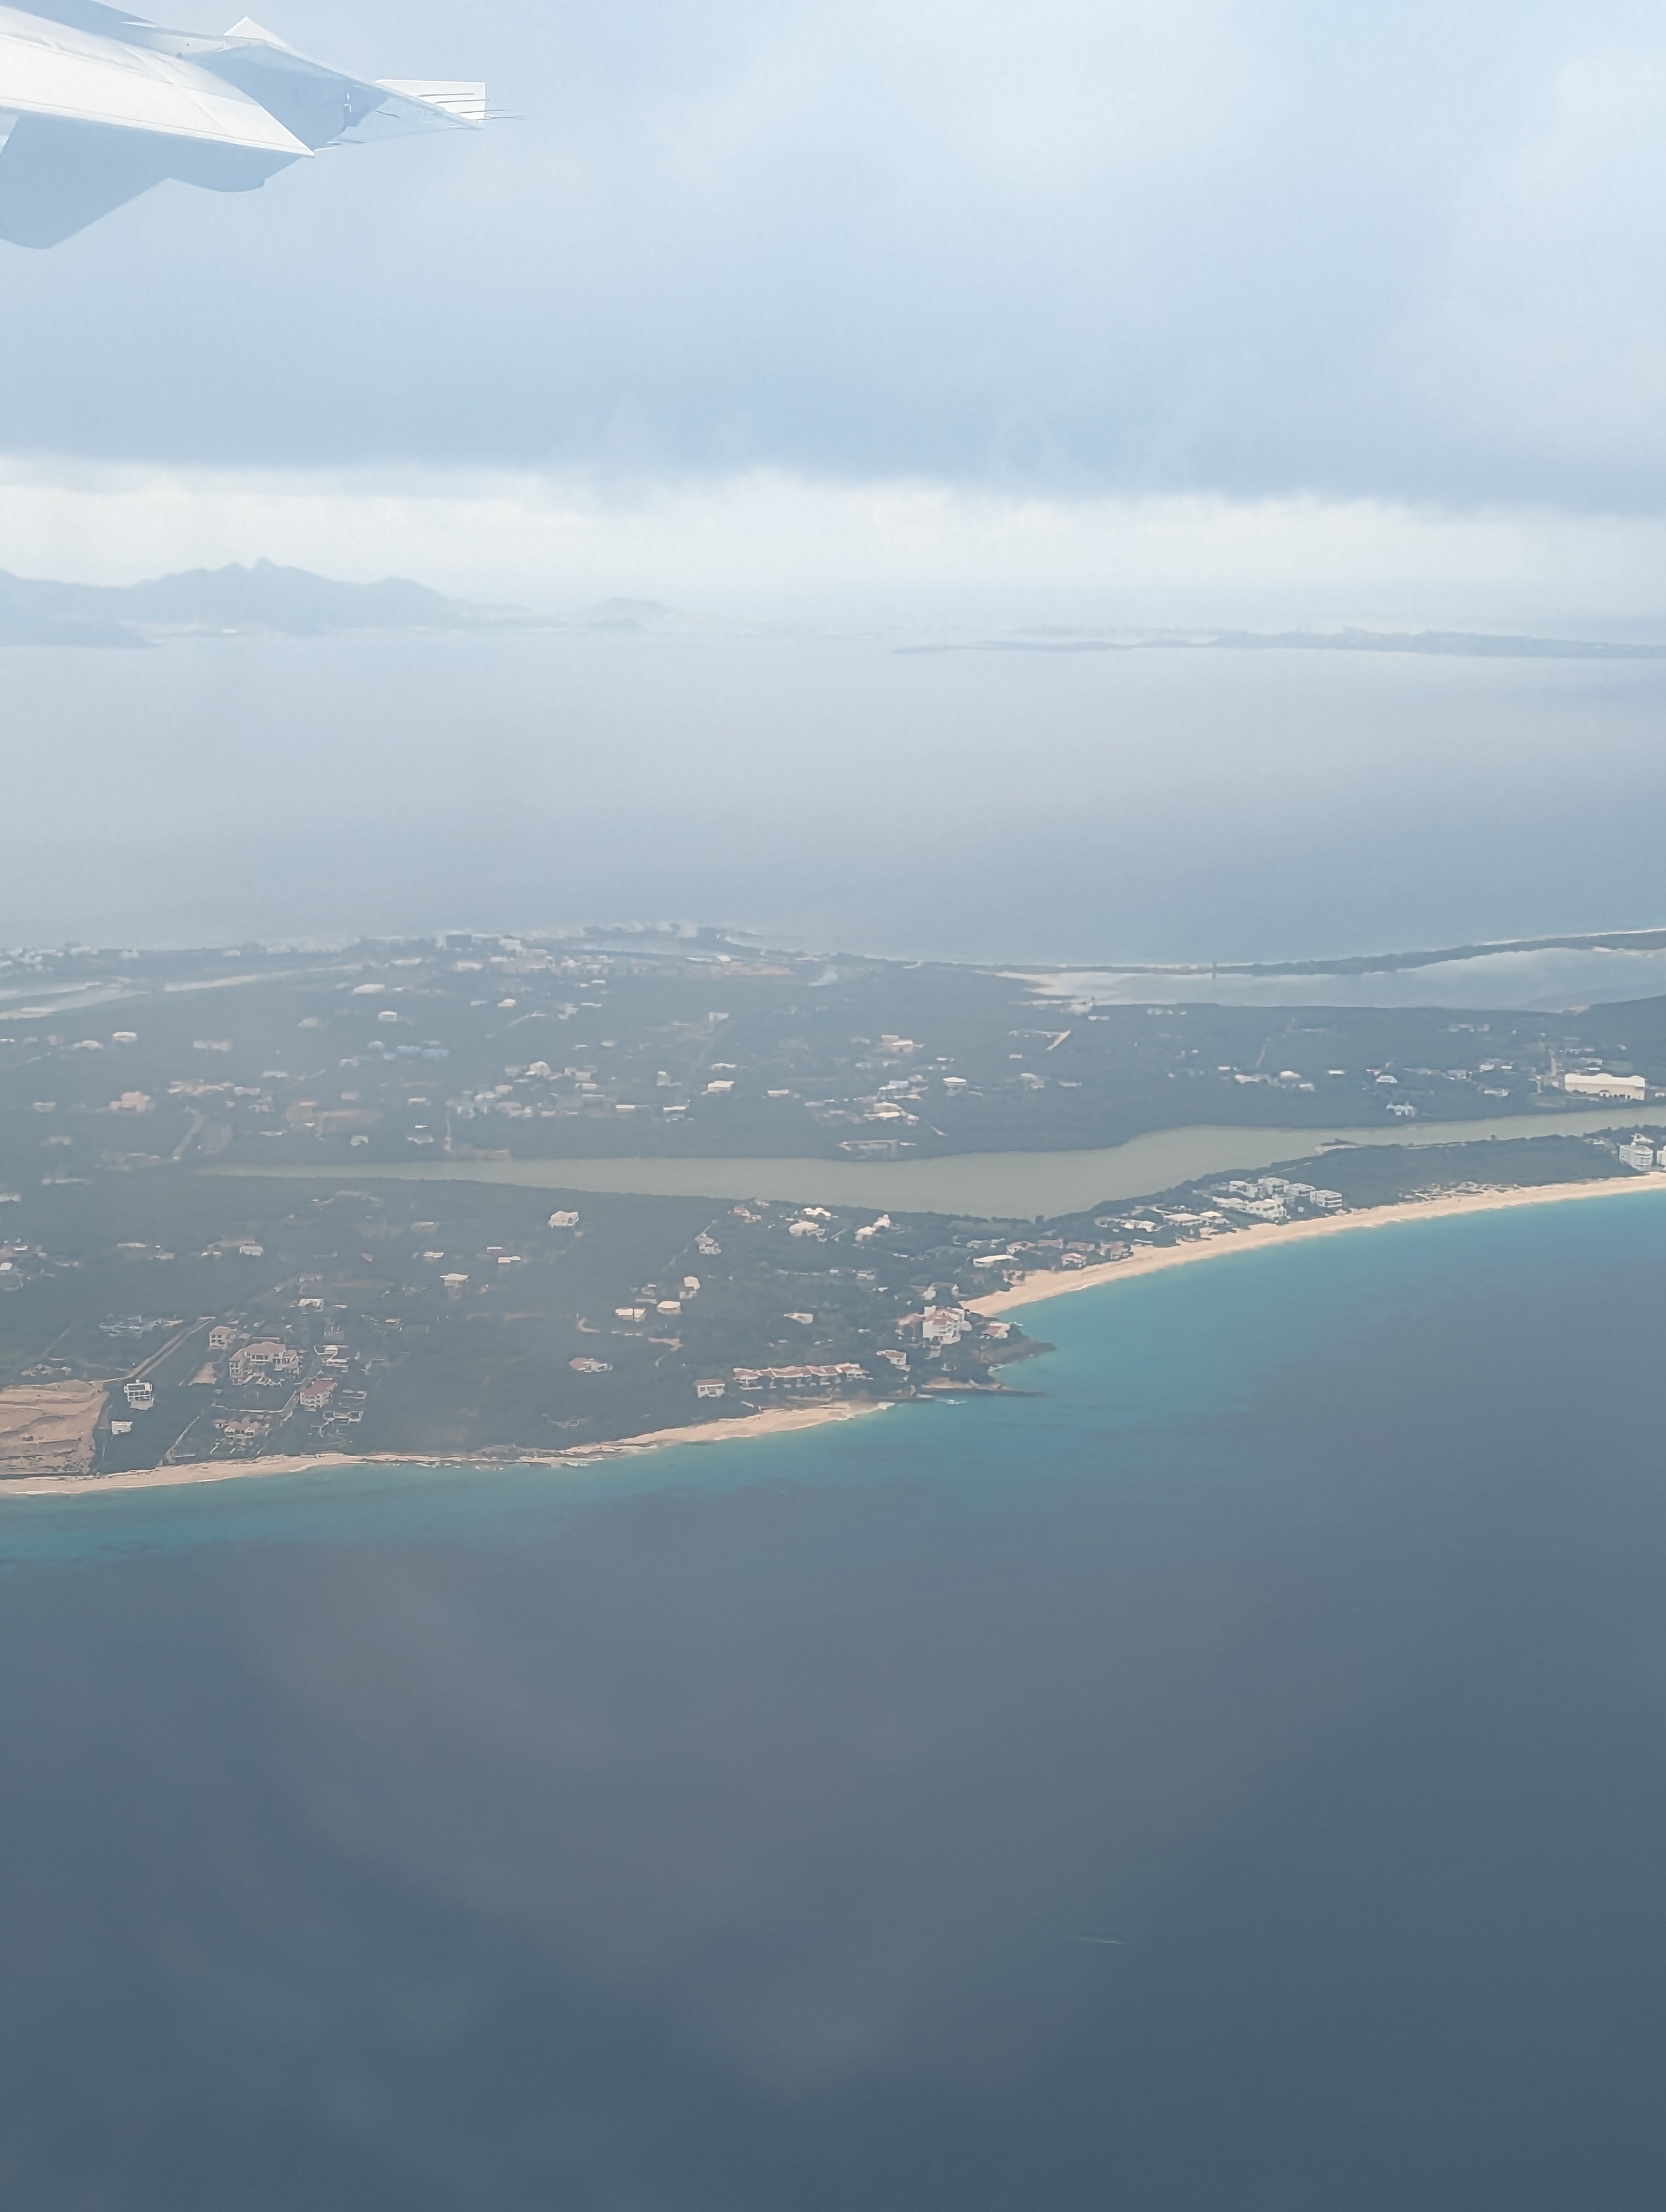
(1157, 1793)
(829, 791)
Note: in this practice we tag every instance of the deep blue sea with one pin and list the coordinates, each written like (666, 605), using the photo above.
(1235, 1779)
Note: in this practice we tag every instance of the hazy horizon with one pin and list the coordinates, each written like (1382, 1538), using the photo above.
(907, 321)
(1111, 314)
(1043, 807)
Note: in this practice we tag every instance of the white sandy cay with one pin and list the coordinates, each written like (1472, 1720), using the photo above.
(780, 1420)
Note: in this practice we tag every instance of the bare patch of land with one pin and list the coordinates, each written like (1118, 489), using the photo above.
(46, 1428)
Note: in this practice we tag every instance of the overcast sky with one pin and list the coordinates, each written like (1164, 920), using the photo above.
(1012, 282)
(1132, 311)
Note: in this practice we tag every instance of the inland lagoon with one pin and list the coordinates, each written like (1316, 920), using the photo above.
(992, 1185)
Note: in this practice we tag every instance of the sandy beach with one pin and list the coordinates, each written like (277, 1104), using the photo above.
(773, 1421)
(1032, 1290)
(781, 1420)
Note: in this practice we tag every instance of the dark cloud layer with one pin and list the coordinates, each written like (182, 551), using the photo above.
(1408, 254)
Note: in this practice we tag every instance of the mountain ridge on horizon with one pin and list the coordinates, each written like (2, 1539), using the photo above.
(265, 598)
(262, 599)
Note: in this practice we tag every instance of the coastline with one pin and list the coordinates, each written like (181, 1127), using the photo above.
(1036, 1288)
(773, 1421)
(780, 1420)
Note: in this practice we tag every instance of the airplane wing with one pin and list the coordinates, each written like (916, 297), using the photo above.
(96, 107)
(325, 106)
(88, 15)
(57, 177)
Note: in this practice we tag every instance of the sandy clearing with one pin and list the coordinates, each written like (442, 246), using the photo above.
(46, 1428)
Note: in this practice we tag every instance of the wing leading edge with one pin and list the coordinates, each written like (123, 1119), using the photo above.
(97, 106)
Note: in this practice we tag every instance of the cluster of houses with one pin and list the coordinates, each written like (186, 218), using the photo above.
(243, 1430)
(784, 1378)
(268, 1363)
(933, 1330)
(1275, 1197)
(941, 1326)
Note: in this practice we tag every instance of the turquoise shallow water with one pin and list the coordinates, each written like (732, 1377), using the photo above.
(1233, 1777)
(1155, 1355)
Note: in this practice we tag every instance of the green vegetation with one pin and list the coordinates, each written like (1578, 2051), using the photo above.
(340, 1304)
(661, 1047)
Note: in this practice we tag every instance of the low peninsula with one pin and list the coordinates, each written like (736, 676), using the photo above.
(452, 1203)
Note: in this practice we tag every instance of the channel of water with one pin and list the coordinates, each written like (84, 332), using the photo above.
(994, 1185)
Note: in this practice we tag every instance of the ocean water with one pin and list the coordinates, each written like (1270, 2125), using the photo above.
(1233, 1779)
(830, 791)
